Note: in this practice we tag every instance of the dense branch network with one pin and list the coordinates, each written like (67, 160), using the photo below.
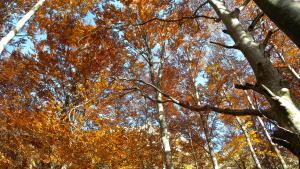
(197, 108)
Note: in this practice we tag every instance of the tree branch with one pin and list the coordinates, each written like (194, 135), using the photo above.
(225, 46)
(249, 86)
(291, 69)
(243, 6)
(197, 108)
(199, 7)
(268, 37)
(255, 21)
(176, 20)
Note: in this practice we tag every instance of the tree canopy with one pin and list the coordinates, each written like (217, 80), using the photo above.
(149, 84)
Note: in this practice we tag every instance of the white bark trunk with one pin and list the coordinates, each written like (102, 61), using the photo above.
(252, 151)
(165, 135)
(285, 107)
(273, 146)
(5, 40)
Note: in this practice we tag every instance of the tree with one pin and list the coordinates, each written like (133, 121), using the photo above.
(268, 81)
(285, 14)
(5, 40)
(148, 84)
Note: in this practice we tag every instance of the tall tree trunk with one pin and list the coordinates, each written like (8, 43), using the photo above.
(165, 135)
(5, 40)
(248, 140)
(285, 109)
(253, 154)
(273, 146)
(209, 143)
(285, 14)
(203, 122)
(193, 150)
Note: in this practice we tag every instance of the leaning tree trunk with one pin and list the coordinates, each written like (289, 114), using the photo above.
(253, 154)
(207, 135)
(273, 146)
(285, 14)
(285, 109)
(5, 40)
(248, 140)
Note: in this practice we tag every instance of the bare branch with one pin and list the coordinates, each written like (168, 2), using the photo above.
(255, 21)
(199, 7)
(291, 69)
(176, 20)
(197, 108)
(243, 6)
(249, 86)
(225, 46)
(268, 37)
(283, 143)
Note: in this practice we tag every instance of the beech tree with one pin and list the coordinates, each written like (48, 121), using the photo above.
(285, 14)
(4, 41)
(149, 84)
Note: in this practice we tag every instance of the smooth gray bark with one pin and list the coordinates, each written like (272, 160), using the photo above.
(285, 14)
(165, 135)
(268, 136)
(285, 108)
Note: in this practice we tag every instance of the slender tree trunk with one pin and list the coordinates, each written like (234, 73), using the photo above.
(285, 108)
(209, 143)
(32, 164)
(285, 14)
(165, 135)
(5, 40)
(204, 124)
(273, 146)
(248, 140)
(253, 154)
(193, 150)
